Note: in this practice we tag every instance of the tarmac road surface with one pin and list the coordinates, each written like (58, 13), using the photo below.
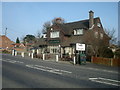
(19, 72)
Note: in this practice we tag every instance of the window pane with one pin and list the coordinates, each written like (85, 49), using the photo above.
(80, 31)
(54, 34)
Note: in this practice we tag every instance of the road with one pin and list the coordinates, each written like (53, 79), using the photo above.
(19, 72)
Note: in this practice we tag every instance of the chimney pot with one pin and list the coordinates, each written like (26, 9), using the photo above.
(91, 18)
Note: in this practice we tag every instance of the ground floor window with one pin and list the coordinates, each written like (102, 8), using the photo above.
(54, 49)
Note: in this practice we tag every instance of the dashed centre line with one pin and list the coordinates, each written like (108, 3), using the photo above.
(11, 61)
(54, 69)
(48, 69)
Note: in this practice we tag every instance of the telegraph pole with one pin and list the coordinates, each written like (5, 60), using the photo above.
(6, 32)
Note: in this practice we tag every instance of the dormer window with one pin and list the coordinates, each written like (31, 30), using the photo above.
(44, 36)
(51, 29)
(98, 24)
(54, 34)
(78, 31)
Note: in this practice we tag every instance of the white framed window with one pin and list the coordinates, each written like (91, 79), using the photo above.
(54, 34)
(51, 29)
(74, 32)
(54, 49)
(44, 35)
(78, 32)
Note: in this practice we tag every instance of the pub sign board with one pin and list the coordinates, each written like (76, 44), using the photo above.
(80, 47)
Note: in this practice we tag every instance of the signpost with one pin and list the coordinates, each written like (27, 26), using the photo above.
(79, 47)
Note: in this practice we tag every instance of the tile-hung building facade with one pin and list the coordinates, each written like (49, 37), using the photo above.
(6, 43)
(61, 38)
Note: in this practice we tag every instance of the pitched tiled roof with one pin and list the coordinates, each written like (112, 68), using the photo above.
(5, 42)
(83, 24)
(19, 44)
(67, 29)
(78, 24)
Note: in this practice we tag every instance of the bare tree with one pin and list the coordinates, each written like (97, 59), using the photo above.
(111, 34)
(38, 34)
(96, 44)
(46, 26)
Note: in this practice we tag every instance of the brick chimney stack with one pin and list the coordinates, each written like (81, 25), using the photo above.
(91, 18)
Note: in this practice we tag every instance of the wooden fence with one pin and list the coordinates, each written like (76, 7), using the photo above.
(106, 61)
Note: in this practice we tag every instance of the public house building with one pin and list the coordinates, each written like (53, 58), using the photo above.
(61, 38)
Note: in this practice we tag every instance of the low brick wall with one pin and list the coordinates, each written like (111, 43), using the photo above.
(116, 62)
(106, 61)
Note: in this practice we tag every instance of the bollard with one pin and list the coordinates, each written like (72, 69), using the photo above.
(15, 53)
(74, 60)
(29, 54)
(43, 56)
(37, 51)
(57, 58)
(32, 55)
(22, 54)
(12, 52)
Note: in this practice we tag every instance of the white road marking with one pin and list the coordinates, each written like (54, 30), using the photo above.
(105, 81)
(92, 78)
(109, 79)
(12, 61)
(31, 66)
(54, 69)
(65, 71)
(17, 61)
(48, 69)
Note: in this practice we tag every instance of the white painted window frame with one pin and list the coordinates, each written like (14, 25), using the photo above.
(78, 30)
(52, 34)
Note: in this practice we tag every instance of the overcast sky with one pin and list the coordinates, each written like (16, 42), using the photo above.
(22, 18)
